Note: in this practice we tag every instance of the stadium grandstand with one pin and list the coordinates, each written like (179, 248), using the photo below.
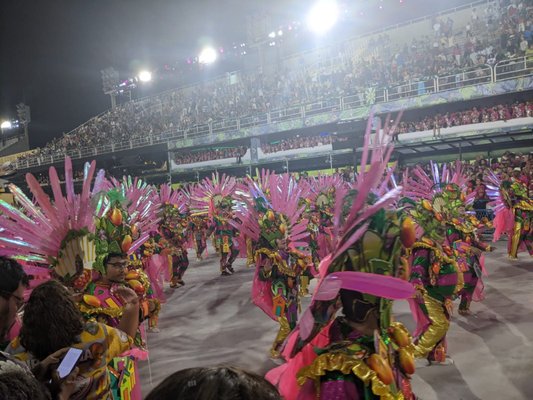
(328, 182)
(463, 79)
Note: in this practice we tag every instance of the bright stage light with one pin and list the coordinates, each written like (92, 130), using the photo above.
(6, 125)
(323, 16)
(207, 56)
(145, 76)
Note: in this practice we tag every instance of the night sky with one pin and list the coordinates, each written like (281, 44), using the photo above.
(52, 51)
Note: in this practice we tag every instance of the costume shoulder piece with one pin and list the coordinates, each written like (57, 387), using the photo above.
(55, 232)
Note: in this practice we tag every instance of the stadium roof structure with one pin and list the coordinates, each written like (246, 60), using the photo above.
(475, 141)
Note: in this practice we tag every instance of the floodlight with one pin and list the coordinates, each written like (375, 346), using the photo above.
(145, 76)
(5, 125)
(323, 16)
(207, 56)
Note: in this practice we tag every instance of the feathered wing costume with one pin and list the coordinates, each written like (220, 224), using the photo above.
(445, 260)
(364, 352)
(126, 215)
(445, 190)
(278, 232)
(198, 226)
(62, 235)
(513, 214)
(214, 198)
(322, 191)
(54, 235)
(174, 232)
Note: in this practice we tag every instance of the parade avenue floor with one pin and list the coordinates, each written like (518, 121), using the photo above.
(212, 321)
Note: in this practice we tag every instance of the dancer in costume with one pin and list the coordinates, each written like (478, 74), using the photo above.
(173, 230)
(214, 198)
(461, 230)
(462, 236)
(224, 235)
(198, 228)
(275, 227)
(435, 273)
(124, 221)
(322, 198)
(63, 233)
(513, 213)
(320, 201)
(362, 354)
(156, 268)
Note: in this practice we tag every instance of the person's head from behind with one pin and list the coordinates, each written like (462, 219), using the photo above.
(19, 385)
(51, 320)
(214, 383)
(13, 281)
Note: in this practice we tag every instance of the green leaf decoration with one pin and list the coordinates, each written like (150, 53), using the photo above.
(114, 247)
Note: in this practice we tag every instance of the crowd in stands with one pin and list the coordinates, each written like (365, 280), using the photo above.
(208, 155)
(501, 30)
(509, 165)
(44, 179)
(500, 112)
(298, 142)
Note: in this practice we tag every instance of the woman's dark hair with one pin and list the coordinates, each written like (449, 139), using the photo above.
(214, 383)
(18, 385)
(51, 320)
(11, 276)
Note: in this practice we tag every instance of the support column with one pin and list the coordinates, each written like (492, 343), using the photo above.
(255, 144)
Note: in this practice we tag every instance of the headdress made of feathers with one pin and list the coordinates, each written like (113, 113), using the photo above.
(359, 218)
(212, 195)
(52, 232)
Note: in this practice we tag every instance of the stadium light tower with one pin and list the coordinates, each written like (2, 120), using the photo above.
(24, 116)
(145, 76)
(207, 56)
(110, 81)
(323, 16)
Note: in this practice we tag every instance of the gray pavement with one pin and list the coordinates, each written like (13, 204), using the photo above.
(211, 321)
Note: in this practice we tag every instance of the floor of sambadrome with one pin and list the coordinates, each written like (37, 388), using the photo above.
(211, 321)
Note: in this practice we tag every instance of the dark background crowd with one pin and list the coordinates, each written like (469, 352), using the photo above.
(501, 30)
(211, 154)
(500, 112)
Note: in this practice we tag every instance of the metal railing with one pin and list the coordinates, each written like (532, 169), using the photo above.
(506, 69)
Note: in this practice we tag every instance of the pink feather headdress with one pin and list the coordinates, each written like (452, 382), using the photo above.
(53, 231)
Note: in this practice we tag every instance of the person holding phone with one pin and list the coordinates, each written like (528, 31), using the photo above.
(52, 322)
(15, 375)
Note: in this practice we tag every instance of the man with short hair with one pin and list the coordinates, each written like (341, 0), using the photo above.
(13, 281)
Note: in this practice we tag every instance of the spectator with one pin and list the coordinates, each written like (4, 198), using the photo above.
(501, 112)
(453, 52)
(51, 322)
(16, 379)
(16, 385)
(216, 383)
(13, 281)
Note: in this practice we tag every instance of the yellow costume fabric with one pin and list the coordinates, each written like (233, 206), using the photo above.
(100, 344)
